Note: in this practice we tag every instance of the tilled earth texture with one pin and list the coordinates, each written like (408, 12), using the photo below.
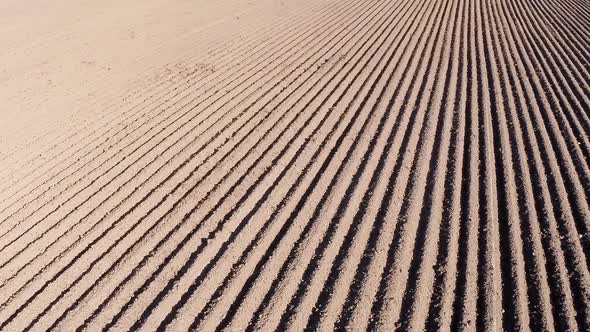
(298, 164)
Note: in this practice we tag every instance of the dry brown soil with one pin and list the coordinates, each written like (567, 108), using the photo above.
(294, 164)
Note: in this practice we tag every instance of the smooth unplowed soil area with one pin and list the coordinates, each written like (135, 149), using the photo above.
(296, 164)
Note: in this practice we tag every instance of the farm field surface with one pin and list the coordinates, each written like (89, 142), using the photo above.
(269, 165)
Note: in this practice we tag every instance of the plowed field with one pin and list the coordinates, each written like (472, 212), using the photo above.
(334, 164)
